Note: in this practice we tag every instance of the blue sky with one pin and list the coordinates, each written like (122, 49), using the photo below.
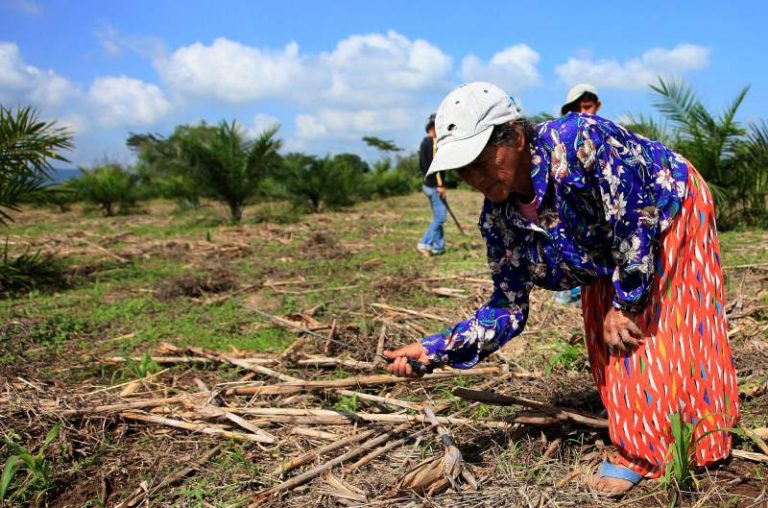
(332, 72)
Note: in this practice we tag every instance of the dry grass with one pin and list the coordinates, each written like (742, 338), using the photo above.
(188, 280)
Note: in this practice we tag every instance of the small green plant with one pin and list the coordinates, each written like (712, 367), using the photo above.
(37, 466)
(679, 471)
(346, 404)
(139, 368)
(567, 355)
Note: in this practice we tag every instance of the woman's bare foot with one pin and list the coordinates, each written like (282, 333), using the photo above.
(613, 487)
(614, 481)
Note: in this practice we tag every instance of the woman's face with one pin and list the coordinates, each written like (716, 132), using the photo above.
(500, 170)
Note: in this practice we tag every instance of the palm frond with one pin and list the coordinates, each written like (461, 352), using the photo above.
(27, 148)
(677, 101)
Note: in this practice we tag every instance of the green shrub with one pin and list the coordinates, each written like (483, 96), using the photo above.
(109, 187)
(62, 195)
(29, 271)
(385, 181)
(316, 185)
(163, 167)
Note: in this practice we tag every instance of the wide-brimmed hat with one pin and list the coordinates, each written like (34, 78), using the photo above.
(575, 94)
(465, 121)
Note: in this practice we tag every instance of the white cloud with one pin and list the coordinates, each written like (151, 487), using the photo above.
(362, 71)
(309, 127)
(232, 72)
(370, 83)
(22, 83)
(261, 123)
(76, 123)
(25, 6)
(108, 37)
(513, 69)
(353, 124)
(114, 43)
(635, 73)
(376, 70)
(127, 102)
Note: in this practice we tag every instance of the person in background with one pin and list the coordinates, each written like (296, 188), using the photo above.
(582, 98)
(433, 241)
(583, 201)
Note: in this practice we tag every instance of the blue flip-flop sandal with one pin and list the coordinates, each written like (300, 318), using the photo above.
(608, 470)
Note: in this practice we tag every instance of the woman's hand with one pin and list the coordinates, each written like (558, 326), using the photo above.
(400, 366)
(620, 331)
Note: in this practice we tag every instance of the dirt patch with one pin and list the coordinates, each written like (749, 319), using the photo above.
(213, 281)
(402, 284)
(322, 244)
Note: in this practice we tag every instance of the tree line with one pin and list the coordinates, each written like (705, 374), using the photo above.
(220, 162)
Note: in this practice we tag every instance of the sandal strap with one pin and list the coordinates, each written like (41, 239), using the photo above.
(612, 471)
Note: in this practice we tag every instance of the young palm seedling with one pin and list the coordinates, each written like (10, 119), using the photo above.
(37, 466)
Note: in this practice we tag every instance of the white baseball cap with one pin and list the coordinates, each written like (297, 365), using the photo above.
(575, 94)
(465, 121)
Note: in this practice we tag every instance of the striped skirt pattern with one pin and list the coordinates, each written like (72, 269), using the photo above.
(685, 365)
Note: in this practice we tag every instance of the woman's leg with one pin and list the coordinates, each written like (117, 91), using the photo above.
(712, 390)
(685, 365)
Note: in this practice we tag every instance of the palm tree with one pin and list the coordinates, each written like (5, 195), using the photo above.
(709, 142)
(732, 159)
(318, 184)
(230, 166)
(649, 127)
(754, 191)
(27, 148)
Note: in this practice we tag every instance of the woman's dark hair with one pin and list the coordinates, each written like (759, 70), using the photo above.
(508, 132)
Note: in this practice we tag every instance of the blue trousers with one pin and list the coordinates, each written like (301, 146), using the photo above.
(433, 239)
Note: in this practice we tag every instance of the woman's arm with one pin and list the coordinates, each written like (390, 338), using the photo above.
(496, 322)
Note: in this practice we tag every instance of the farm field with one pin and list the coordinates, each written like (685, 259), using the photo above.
(180, 317)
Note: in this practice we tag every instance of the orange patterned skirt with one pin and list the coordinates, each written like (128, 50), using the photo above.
(685, 365)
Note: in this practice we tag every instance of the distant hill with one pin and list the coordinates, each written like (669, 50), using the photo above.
(61, 174)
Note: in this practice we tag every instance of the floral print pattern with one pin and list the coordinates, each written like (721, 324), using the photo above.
(605, 195)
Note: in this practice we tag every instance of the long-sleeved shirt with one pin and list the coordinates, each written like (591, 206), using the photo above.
(604, 197)
(426, 153)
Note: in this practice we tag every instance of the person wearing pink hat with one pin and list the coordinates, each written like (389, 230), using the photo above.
(582, 201)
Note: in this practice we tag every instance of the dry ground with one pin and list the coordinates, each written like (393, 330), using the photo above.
(188, 286)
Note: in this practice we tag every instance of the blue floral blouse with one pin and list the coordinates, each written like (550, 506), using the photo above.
(604, 195)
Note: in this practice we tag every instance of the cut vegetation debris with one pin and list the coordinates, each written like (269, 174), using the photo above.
(244, 370)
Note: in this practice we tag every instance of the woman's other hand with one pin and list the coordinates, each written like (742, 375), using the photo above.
(400, 357)
(620, 331)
